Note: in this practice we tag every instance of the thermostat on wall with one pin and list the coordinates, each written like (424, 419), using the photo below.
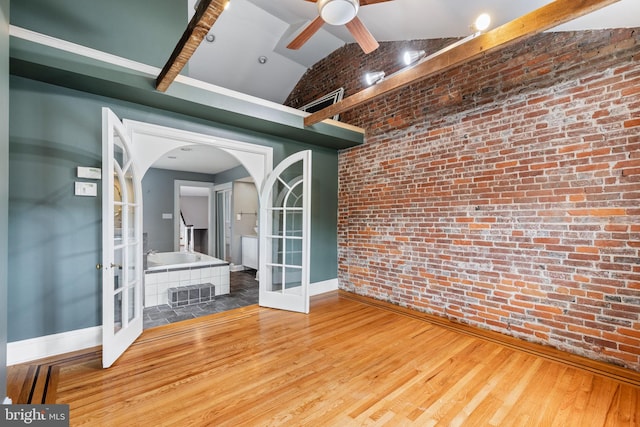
(86, 189)
(89, 173)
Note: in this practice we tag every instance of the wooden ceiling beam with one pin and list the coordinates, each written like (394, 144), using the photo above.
(206, 15)
(549, 16)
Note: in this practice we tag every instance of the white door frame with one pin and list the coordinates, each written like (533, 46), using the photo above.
(151, 142)
(176, 211)
(155, 141)
(221, 188)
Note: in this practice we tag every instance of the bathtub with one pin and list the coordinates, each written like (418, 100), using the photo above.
(166, 270)
(171, 260)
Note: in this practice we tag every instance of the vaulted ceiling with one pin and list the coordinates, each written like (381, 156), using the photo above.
(250, 29)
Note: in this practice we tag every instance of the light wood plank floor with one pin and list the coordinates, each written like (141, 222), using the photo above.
(348, 362)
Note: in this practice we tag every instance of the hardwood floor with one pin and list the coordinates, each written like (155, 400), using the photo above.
(349, 362)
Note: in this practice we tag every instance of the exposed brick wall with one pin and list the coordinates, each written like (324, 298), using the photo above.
(504, 194)
(346, 67)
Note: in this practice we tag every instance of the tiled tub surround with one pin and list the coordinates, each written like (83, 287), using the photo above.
(195, 269)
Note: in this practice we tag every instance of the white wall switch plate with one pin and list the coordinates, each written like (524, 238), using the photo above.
(89, 189)
(89, 173)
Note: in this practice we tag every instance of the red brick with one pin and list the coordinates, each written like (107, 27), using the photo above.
(492, 192)
(632, 123)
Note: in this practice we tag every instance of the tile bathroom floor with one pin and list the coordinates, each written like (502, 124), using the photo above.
(244, 291)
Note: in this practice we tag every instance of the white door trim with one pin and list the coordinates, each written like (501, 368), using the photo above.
(176, 210)
(256, 159)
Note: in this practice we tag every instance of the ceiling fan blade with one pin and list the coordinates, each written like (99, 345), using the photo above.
(306, 34)
(362, 35)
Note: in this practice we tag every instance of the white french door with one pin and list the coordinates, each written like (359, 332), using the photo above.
(285, 228)
(121, 241)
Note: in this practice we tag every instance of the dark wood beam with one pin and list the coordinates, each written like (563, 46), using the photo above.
(206, 15)
(553, 14)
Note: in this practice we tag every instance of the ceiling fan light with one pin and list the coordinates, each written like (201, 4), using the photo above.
(338, 12)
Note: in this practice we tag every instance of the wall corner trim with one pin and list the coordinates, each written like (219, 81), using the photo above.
(80, 339)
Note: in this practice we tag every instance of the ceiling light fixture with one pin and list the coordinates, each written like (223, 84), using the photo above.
(482, 22)
(338, 12)
(374, 77)
(262, 59)
(210, 38)
(411, 56)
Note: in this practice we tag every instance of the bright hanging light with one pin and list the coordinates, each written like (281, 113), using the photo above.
(374, 77)
(482, 22)
(411, 56)
(338, 12)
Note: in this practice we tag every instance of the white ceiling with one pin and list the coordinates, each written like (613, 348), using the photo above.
(197, 158)
(249, 29)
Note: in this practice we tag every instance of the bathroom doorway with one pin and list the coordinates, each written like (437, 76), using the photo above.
(202, 176)
(222, 196)
(283, 280)
(193, 217)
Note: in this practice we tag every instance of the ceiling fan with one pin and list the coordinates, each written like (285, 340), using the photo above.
(339, 12)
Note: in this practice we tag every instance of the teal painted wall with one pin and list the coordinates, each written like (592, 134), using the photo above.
(4, 185)
(56, 236)
(324, 217)
(56, 243)
(231, 175)
(143, 31)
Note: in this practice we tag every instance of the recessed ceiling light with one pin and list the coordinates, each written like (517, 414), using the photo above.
(262, 59)
(210, 38)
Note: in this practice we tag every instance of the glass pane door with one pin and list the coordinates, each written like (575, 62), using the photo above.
(122, 250)
(284, 235)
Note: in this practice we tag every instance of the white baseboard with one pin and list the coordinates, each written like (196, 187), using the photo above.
(80, 339)
(318, 288)
(52, 345)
